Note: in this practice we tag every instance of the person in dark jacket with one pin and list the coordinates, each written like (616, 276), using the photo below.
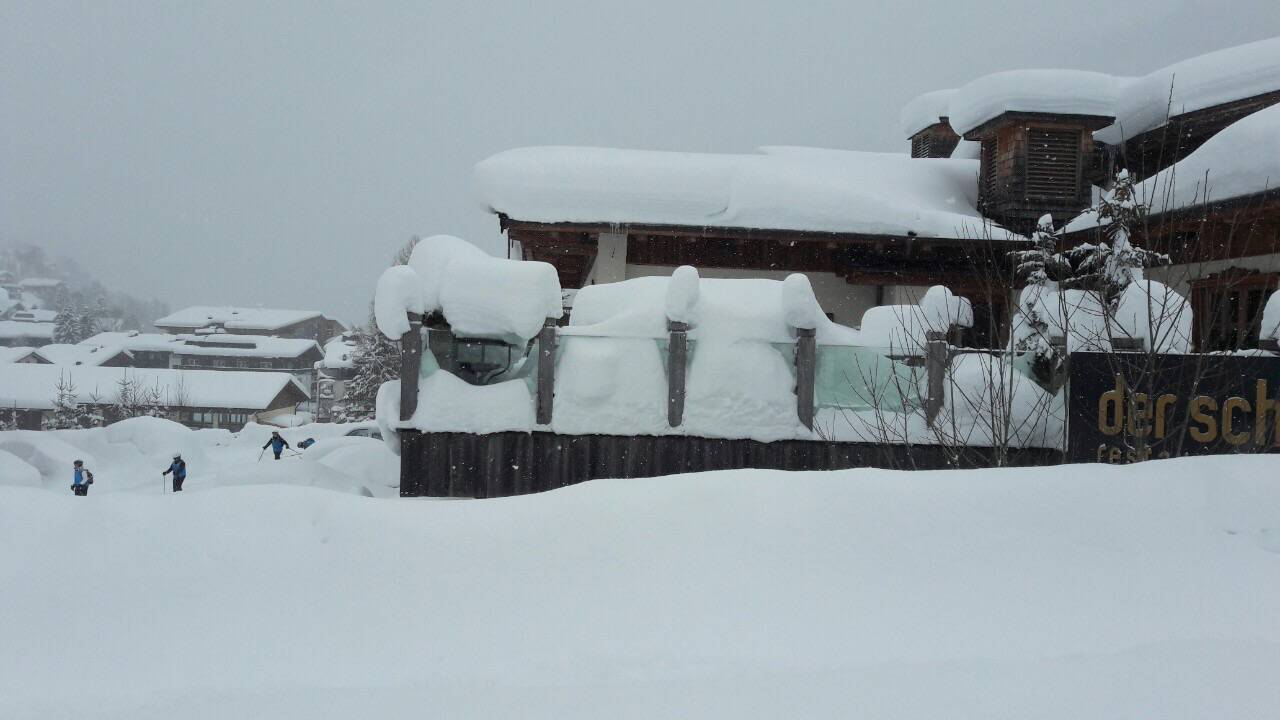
(276, 443)
(179, 469)
(82, 478)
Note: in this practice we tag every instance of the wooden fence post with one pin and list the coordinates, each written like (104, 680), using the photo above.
(937, 354)
(677, 366)
(410, 366)
(806, 372)
(546, 370)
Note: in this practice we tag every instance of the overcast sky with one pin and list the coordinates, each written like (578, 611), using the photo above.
(230, 153)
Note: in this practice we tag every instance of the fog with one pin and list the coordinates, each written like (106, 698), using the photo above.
(229, 153)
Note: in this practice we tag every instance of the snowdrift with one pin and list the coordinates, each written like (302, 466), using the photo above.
(1066, 592)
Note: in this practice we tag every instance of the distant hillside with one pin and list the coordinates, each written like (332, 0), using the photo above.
(118, 310)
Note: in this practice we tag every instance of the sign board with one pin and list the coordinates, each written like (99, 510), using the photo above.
(1127, 407)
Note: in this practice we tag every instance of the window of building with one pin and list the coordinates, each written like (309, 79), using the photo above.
(1228, 308)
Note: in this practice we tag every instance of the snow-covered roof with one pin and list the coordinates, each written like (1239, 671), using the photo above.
(14, 354)
(1240, 160)
(134, 340)
(339, 352)
(1059, 92)
(1224, 76)
(11, 329)
(235, 318)
(34, 386)
(224, 344)
(778, 188)
(40, 283)
(925, 110)
(65, 354)
(34, 316)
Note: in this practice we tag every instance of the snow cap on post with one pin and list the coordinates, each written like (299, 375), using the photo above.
(399, 292)
(682, 294)
(431, 258)
(484, 296)
(943, 309)
(800, 306)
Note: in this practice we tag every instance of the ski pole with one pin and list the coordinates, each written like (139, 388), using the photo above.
(261, 453)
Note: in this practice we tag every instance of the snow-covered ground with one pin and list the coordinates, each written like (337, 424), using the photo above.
(129, 456)
(1151, 591)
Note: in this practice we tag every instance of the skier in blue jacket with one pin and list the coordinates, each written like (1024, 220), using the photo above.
(277, 443)
(179, 469)
(82, 478)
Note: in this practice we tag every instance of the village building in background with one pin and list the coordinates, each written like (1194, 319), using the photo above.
(300, 324)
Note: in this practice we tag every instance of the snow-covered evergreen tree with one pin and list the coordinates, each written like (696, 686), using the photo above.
(1108, 267)
(68, 413)
(376, 360)
(65, 325)
(1041, 268)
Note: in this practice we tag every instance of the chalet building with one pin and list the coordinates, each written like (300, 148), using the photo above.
(215, 351)
(296, 324)
(20, 333)
(195, 398)
(986, 161)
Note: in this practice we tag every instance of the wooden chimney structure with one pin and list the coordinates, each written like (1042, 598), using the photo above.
(936, 141)
(1035, 163)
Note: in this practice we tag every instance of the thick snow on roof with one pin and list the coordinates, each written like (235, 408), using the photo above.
(1241, 160)
(133, 340)
(779, 188)
(236, 318)
(10, 329)
(14, 354)
(224, 344)
(35, 386)
(64, 354)
(34, 315)
(1218, 77)
(339, 352)
(925, 110)
(1064, 92)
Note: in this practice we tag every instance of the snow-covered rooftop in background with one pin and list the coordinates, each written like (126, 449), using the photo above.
(778, 188)
(14, 354)
(339, 352)
(134, 340)
(35, 386)
(925, 110)
(34, 315)
(64, 354)
(236, 318)
(1231, 164)
(243, 345)
(1200, 82)
(1064, 92)
(12, 329)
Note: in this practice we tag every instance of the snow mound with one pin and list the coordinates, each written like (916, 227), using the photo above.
(1061, 92)
(16, 471)
(46, 452)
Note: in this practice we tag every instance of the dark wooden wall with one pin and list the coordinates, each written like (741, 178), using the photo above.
(518, 463)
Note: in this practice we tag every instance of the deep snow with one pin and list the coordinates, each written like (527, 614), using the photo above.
(1071, 592)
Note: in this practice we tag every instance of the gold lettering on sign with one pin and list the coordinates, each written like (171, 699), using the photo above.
(1112, 423)
(1264, 407)
(1162, 412)
(1140, 415)
(1228, 420)
(1209, 432)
